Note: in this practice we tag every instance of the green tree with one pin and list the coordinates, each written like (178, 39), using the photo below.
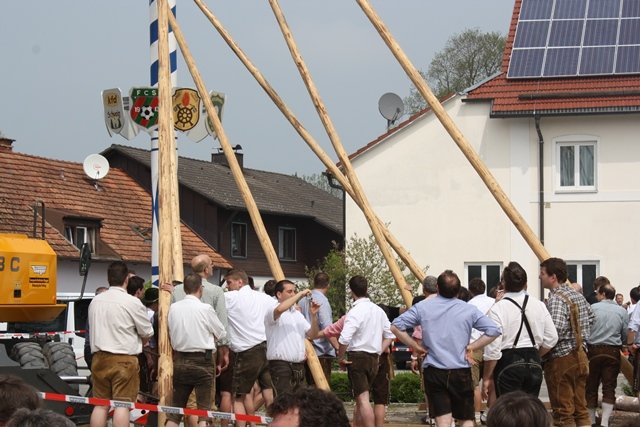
(334, 265)
(466, 59)
(362, 257)
(320, 180)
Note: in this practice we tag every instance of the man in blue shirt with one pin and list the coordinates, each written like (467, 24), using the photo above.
(608, 334)
(446, 329)
(324, 350)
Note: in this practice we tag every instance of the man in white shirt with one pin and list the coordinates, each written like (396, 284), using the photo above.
(512, 360)
(119, 325)
(480, 300)
(366, 332)
(246, 310)
(214, 296)
(193, 329)
(286, 329)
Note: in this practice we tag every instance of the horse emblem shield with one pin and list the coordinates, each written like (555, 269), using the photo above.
(186, 109)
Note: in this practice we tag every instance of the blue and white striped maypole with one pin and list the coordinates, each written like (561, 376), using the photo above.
(173, 55)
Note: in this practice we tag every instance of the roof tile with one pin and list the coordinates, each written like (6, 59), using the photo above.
(117, 200)
(563, 95)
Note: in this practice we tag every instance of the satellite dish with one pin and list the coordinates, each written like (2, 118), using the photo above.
(95, 166)
(391, 107)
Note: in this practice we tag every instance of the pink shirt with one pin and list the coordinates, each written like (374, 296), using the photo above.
(335, 329)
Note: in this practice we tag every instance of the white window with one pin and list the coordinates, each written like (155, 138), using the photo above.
(583, 272)
(239, 240)
(287, 243)
(576, 166)
(81, 234)
(489, 272)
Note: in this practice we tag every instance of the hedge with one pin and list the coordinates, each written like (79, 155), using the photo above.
(405, 388)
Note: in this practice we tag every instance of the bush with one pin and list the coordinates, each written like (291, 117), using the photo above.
(340, 386)
(627, 389)
(405, 388)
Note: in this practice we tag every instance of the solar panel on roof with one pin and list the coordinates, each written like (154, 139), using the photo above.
(597, 60)
(603, 9)
(576, 38)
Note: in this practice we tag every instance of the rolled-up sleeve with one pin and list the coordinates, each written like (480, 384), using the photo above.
(486, 325)
(634, 322)
(324, 315)
(141, 320)
(493, 350)
(550, 335)
(351, 324)
(387, 329)
(220, 307)
(408, 319)
(335, 329)
(215, 325)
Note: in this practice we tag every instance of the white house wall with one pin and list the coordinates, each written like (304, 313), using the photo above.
(419, 182)
(603, 225)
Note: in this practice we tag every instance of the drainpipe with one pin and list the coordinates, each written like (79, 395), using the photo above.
(333, 184)
(540, 186)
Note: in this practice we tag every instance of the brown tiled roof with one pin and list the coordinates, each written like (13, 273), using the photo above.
(565, 95)
(119, 202)
(274, 193)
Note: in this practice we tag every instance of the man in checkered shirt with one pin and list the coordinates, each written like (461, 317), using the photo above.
(567, 367)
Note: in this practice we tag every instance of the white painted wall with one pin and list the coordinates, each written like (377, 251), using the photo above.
(418, 181)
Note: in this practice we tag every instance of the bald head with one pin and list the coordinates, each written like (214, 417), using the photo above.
(202, 265)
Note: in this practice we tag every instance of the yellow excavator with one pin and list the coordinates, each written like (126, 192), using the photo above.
(28, 301)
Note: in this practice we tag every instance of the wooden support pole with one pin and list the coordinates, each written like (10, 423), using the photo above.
(250, 203)
(404, 255)
(401, 283)
(457, 136)
(169, 220)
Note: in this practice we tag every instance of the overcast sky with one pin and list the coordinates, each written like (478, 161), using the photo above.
(58, 56)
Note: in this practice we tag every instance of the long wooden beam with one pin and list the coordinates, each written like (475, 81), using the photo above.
(249, 201)
(404, 255)
(170, 247)
(457, 136)
(360, 196)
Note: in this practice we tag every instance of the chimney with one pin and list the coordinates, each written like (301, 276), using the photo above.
(6, 144)
(220, 159)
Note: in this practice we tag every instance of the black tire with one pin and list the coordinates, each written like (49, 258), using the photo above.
(62, 360)
(29, 355)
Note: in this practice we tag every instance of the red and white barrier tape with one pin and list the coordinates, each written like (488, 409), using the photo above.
(9, 335)
(154, 408)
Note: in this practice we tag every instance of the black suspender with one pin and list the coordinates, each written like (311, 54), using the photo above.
(523, 321)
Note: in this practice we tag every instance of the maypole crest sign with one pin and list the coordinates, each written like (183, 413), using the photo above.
(126, 115)
(217, 99)
(113, 110)
(186, 109)
(144, 107)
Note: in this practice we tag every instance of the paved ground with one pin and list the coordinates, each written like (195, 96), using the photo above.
(400, 414)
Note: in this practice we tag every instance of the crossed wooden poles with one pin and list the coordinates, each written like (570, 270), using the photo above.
(170, 242)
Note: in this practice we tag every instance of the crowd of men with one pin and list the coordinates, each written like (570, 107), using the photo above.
(250, 345)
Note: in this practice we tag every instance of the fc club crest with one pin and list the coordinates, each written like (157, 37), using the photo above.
(144, 107)
(186, 109)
